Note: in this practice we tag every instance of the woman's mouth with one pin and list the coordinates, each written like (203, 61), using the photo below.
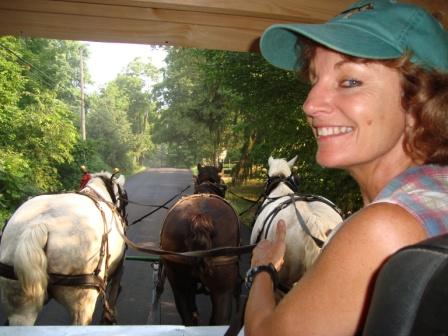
(328, 131)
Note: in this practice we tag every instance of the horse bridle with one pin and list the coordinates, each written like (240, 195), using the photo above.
(122, 194)
(270, 185)
(274, 181)
(211, 186)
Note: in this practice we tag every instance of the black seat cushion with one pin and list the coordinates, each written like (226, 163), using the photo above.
(411, 292)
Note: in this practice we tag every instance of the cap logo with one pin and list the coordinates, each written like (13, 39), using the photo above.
(349, 12)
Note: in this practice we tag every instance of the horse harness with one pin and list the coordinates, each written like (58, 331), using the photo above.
(293, 197)
(220, 255)
(211, 187)
(91, 280)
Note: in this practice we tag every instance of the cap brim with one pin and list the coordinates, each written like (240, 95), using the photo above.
(280, 46)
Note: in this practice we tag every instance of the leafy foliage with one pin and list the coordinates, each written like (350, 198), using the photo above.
(36, 131)
(211, 101)
(119, 118)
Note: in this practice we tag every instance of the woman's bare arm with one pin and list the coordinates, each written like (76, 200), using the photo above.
(332, 298)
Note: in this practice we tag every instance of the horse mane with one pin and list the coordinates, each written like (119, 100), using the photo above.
(108, 183)
(108, 175)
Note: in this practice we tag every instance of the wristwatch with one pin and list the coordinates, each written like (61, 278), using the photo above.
(252, 272)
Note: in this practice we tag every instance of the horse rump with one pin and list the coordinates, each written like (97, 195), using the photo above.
(201, 222)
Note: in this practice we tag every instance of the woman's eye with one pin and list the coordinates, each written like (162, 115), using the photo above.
(349, 83)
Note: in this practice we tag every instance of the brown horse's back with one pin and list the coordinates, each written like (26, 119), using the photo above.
(199, 222)
(176, 227)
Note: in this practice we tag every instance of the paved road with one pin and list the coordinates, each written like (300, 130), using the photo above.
(154, 186)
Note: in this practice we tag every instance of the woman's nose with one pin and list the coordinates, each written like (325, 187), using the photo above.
(317, 101)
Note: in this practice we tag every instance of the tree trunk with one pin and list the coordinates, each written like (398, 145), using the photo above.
(240, 173)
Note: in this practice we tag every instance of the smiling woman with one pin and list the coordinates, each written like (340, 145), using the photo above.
(348, 106)
(377, 106)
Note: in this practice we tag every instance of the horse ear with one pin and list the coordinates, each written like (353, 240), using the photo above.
(220, 167)
(292, 161)
(199, 167)
(270, 160)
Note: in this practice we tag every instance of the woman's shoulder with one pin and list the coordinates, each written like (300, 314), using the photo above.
(389, 223)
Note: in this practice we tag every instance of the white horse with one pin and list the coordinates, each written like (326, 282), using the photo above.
(64, 246)
(309, 219)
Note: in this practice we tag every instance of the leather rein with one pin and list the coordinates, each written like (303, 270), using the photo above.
(220, 255)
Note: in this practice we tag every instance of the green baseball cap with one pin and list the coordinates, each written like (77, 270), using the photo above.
(375, 29)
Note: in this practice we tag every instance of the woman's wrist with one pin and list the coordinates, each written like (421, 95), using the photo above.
(254, 271)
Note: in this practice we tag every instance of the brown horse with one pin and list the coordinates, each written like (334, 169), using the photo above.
(197, 222)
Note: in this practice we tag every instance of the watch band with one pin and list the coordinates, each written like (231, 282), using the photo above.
(252, 272)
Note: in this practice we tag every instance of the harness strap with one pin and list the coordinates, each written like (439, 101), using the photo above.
(270, 217)
(104, 252)
(211, 187)
(7, 271)
(302, 223)
(151, 248)
(81, 280)
(163, 206)
(216, 261)
(292, 200)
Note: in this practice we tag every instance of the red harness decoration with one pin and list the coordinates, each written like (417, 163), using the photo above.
(84, 179)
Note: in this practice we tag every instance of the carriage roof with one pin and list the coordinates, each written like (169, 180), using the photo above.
(210, 24)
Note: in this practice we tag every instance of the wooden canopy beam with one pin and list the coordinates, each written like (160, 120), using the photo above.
(224, 25)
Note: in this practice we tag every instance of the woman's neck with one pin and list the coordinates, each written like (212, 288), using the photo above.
(373, 177)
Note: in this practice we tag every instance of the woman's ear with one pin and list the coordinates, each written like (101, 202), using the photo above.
(409, 120)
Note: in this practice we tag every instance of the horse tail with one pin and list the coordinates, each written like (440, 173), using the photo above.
(201, 235)
(30, 262)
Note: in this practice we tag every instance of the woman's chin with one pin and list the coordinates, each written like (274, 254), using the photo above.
(330, 161)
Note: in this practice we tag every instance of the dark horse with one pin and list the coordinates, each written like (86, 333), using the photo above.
(197, 222)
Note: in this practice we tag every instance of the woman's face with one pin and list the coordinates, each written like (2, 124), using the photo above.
(354, 110)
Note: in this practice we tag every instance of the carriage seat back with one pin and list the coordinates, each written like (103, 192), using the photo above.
(411, 292)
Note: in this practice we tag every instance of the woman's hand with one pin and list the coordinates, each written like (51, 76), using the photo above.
(271, 251)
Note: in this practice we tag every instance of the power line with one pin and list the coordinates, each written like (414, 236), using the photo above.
(45, 77)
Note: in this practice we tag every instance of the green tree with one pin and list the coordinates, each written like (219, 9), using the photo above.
(108, 127)
(120, 117)
(244, 105)
(36, 130)
(195, 108)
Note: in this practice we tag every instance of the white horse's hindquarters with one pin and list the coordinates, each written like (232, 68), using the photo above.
(75, 227)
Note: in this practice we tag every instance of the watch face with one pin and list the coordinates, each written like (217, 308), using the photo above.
(250, 276)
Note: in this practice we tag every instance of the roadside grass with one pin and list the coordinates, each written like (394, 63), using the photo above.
(237, 195)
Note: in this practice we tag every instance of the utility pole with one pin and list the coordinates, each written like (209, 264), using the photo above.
(83, 112)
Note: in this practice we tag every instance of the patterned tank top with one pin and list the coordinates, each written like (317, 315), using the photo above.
(423, 191)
